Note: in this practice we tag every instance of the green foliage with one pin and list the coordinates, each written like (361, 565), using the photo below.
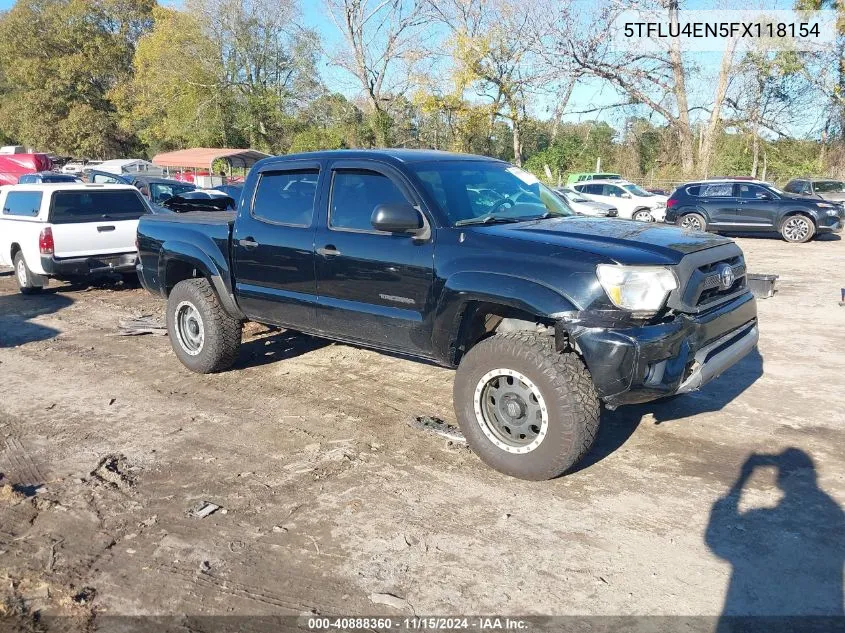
(60, 62)
(314, 139)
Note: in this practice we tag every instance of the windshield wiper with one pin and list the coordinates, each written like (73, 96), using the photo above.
(489, 219)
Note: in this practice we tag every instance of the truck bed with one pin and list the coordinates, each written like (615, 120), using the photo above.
(207, 232)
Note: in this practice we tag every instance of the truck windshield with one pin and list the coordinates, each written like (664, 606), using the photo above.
(480, 192)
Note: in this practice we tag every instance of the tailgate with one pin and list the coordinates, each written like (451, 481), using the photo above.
(85, 239)
(88, 222)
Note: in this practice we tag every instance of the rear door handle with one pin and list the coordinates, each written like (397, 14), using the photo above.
(248, 242)
(103, 229)
(328, 251)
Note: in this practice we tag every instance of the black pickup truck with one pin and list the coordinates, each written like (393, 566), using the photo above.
(468, 262)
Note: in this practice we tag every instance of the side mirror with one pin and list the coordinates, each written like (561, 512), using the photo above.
(626, 195)
(396, 218)
(763, 196)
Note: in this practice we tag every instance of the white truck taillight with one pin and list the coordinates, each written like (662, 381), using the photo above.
(45, 241)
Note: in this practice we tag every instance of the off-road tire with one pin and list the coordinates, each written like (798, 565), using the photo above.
(221, 332)
(28, 283)
(692, 218)
(790, 235)
(565, 385)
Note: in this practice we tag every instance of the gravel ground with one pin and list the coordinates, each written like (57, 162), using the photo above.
(328, 497)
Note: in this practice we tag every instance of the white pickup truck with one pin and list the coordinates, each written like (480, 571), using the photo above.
(68, 231)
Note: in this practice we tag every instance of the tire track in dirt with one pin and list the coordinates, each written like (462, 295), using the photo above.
(18, 467)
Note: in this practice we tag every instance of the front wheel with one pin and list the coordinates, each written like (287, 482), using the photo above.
(797, 229)
(202, 334)
(526, 410)
(27, 282)
(693, 222)
(643, 216)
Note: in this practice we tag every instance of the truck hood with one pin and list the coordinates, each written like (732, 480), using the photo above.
(622, 241)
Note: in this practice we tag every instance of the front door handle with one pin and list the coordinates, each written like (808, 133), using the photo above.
(103, 229)
(328, 250)
(248, 242)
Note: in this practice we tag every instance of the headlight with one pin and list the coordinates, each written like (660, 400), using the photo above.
(641, 289)
(825, 205)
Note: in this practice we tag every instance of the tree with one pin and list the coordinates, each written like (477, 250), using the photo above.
(655, 79)
(61, 61)
(382, 40)
(176, 97)
(265, 62)
(494, 48)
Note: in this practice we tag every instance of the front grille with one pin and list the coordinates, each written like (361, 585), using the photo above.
(710, 286)
(700, 279)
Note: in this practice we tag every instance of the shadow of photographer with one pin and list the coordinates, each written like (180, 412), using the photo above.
(787, 560)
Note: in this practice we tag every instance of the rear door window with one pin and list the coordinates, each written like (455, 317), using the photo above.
(717, 190)
(69, 207)
(593, 190)
(22, 203)
(286, 197)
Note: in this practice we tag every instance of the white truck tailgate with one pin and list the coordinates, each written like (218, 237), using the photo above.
(85, 239)
(94, 222)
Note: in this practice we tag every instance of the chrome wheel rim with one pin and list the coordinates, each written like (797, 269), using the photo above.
(643, 216)
(511, 411)
(21, 270)
(691, 222)
(796, 229)
(190, 331)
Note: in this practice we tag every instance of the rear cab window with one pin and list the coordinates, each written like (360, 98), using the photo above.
(22, 203)
(69, 207)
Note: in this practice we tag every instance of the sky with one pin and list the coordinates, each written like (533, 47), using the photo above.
(588, 95)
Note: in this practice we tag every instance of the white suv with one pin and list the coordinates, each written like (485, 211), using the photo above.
(67, 230)
(631, 201)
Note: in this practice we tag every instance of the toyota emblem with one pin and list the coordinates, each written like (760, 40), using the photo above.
(726, 276)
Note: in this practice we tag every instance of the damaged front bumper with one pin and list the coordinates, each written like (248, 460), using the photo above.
(632, 363)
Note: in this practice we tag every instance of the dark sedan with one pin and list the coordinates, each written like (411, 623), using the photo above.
(739, 206)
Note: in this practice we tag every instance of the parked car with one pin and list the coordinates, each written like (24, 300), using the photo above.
(745, 207)
(47, 176)
(135, 166)
(78, 166)
(585, 206)
(158, 190)
(199, 201)
(571, 179)
(631, 201)
(544, 313)
(825, 189)
(154, 189)
(68, 230)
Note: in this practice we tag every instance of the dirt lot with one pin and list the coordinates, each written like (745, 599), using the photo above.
(328, 496)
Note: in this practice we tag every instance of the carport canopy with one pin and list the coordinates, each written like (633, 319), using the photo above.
(204, 157)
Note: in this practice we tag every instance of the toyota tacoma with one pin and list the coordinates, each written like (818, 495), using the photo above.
(470, 263)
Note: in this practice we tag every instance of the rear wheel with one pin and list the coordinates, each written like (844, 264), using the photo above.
(643, 215)
(28, 283)
(797, 229)
(693, 222)
(526, 410)
(202, 334)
